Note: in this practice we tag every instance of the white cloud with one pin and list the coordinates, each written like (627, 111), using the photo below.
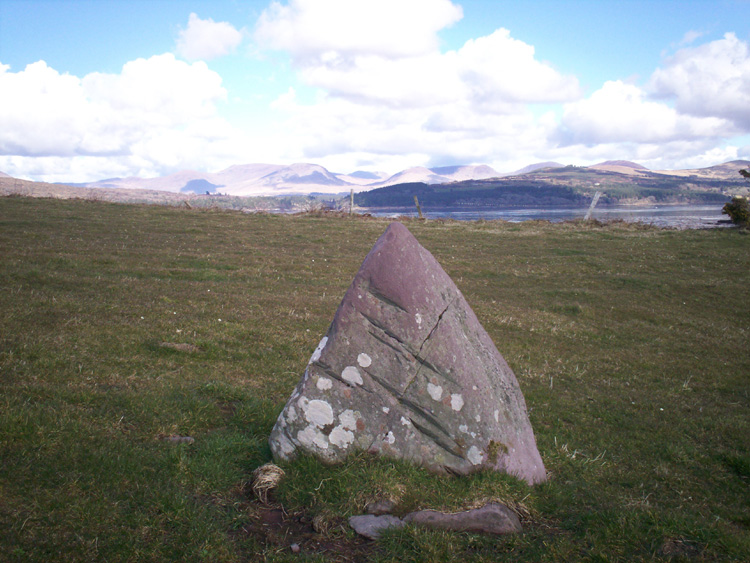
(384, 92)
(498, 67)
(620, 112)
(330, 31)
(156, 115)
(381, 137)
(712, 79)
(207, 39)
(691, 36)
(494, 73)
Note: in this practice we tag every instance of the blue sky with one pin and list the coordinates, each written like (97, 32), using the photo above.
(102, 88)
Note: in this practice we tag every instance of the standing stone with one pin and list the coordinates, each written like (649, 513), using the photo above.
(406, 371)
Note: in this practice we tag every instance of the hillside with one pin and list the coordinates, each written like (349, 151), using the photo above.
(300, 185)
(295, 179)
(620, 182)
(189, 198)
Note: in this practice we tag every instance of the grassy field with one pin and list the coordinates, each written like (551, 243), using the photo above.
(123, 325)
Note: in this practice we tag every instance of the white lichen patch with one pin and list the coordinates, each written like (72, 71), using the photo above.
(351, 375)
(405, 421)
(386, 410)
(291, 414)
(341, 437)
(312, 436)
(463, 428)
(324, 384)
(285, 445)
(435, 391)
(319, 350)
(389, 438)
(319, 413)
(497, 416)
(348, 419)
(457, 402)
(418, 318)
(364, 360)
(474, 455)
(478, 418)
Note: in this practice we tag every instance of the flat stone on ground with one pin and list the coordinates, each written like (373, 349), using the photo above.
(493, 518)
(371, 526)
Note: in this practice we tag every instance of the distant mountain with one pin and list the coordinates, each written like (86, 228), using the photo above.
(199, 186)
(620, 166)
(546, 184)
(299, 178)
(295, 174)
(727, 171)
(466, 172)
(363, 175)
(416, 174)
(4, 175)
(619, 182)
(305, 178)
(172, 183)
(440, 175)
(534, 167)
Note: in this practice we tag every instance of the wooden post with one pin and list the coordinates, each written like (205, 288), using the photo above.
(351, 201)
(597, 195)
(419, 209)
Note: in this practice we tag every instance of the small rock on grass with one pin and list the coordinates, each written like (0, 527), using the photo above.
(492, 518)
(371, 526)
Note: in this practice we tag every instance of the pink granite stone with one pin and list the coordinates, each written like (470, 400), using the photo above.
(407, 371)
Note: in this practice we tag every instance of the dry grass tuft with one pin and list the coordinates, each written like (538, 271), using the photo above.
(265, 479)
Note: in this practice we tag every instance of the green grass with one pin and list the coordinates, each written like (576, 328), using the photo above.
(120, 325)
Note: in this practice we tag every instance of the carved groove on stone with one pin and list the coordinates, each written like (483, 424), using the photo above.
(448, 445)
(329, 371)
(387, 386)
(430, 426)
(380, 338)
(383, 299)
(377, 324)
(426, 364)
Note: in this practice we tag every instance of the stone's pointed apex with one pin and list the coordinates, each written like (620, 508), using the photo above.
(407, 371)
(398, 227)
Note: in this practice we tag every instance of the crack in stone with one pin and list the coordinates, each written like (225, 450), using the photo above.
(418, 356)
(434, 328)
